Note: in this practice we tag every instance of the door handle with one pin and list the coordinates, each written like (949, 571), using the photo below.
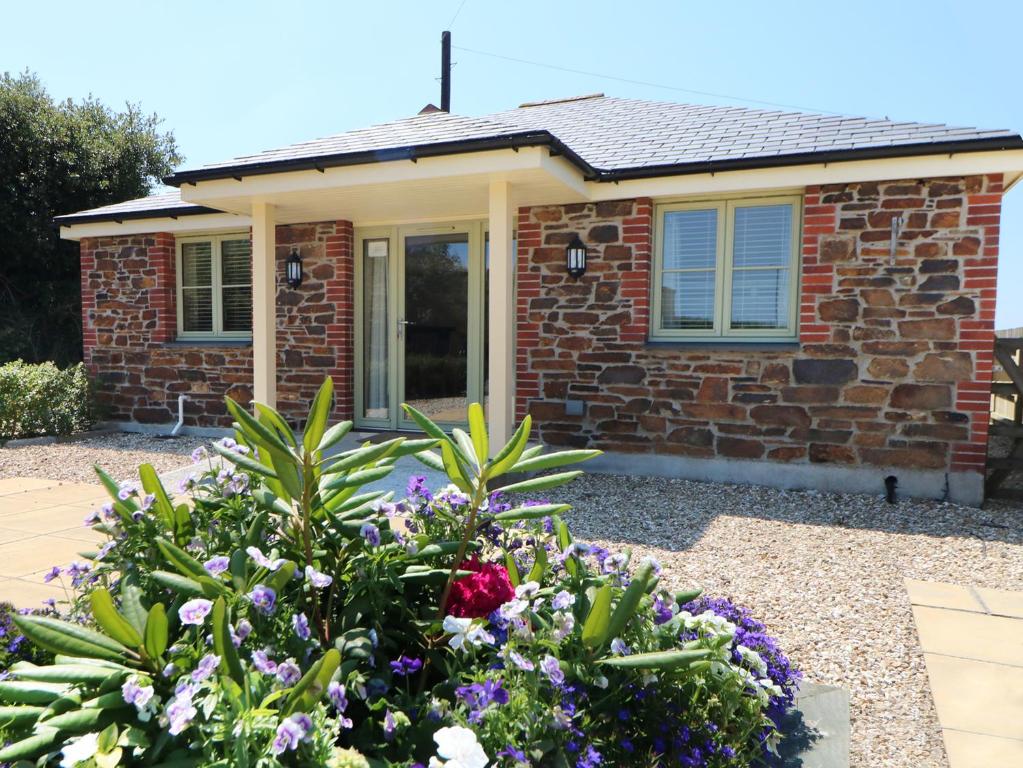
(402, 322)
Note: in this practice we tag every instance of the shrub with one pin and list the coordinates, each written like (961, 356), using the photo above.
(285, 617)
(44, 400)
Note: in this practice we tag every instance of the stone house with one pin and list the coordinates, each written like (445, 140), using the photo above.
(786, 298)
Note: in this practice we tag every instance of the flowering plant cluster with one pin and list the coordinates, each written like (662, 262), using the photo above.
(282, 616)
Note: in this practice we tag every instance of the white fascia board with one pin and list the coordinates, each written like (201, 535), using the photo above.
(798, 176)
(214, 222)
(266, 186)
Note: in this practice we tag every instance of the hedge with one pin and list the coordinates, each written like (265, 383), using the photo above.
(44, 400)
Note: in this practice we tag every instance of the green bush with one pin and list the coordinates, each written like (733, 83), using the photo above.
(44, 400)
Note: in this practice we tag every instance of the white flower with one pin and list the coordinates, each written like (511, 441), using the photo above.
(752, 658)
(619, 648)
(459, 749)
(527, 590)
(564, 623)
(600, 681)
(78, 751)
(512, 609)
(464, 634)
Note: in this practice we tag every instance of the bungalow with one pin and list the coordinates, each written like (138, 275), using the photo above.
(709, 292)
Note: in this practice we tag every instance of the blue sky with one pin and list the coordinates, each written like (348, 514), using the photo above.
(233, 77)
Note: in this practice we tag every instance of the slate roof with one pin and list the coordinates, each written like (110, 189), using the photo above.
(153, 206)
(607, 138)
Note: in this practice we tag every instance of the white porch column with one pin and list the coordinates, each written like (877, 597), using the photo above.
(501, 407)
(264, 305)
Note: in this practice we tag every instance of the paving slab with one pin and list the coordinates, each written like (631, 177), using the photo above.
(46, 520)
(31, 593)
(968, 635)
(941, 595)
(38, 553)
(977, 696)
(51, 496)
(974, 750)
(10, 485)
(1002, 602)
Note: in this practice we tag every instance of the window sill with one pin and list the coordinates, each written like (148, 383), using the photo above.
(208, 343)
(718, 343)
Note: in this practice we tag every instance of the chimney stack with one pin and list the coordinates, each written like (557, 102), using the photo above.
(445, 71)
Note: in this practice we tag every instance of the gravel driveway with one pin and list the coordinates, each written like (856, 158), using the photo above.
(825, 572)
(119, 453)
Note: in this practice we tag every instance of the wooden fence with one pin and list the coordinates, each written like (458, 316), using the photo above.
(1006, 411)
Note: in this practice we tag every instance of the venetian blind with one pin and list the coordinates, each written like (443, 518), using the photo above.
(197, 287)
(688, 273)
(761, 255)
(236, 285)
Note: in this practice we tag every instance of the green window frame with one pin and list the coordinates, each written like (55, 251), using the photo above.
(222, 291)
(722, 273)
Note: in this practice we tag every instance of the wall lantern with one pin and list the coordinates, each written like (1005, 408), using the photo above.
(575, 257)
(293, 268)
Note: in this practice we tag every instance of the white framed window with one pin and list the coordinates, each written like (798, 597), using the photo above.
(727, 269)
(214, 287)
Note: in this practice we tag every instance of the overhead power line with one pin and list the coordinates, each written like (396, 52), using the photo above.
(643, 82)
(461, 5)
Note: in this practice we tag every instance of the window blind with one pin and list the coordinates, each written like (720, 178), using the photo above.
(197, 287)
(761, 252)
(688, 275)
(236, 285)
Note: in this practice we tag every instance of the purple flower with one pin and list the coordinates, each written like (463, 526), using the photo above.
(288, 672)
(262, 560)
(336, 693)
(371, 534)
(195, 611)
(301, 625)
(238, 635)
(619, 648)
(217, 565)
(562, 600)
(263, 663)
(517, 755)
(263, 597)
(479, 696)
(92, 517)
(317, 579)
(108, 510)
(105, 549)
(207, 665)
(53, 573)
(133, 693)
(552, 668)
(147, 501)
(521, 661)
(78, 571)
(290, 732)
(417, 487)
(126, 491)
(180, 711)
(390, 725)
(199, 454)
(404, 666)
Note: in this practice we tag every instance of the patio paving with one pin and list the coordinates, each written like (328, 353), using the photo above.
(972, 639)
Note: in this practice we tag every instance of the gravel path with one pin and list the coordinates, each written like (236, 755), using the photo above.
(118, 453)
(825, 572)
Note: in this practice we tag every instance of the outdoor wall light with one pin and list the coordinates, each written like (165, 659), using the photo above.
(293, 268)
(575, 257)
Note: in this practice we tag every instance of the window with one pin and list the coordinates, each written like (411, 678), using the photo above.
(727, 269)
(215, 287)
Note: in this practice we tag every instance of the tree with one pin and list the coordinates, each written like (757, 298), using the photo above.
(59, 158)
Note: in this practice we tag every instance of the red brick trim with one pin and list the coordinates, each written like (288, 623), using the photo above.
(163, 297)
(341, 332)
(816, 277)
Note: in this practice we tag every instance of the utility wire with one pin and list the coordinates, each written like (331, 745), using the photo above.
(643, 82)
(453, 18)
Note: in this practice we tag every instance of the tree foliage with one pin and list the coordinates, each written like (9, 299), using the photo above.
(56, 158)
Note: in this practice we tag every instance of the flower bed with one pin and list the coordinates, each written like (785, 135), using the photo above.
(285, 617)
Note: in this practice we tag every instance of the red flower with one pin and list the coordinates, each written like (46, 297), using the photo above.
(486, 590)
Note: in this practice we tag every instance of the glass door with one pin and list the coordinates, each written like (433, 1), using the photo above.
(419, 323)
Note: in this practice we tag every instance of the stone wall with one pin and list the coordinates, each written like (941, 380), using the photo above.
(130, 326)
(892, 369)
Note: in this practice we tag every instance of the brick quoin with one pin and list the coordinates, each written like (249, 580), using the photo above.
(893, 365)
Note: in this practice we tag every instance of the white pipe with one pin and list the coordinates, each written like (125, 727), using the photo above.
(181, 415)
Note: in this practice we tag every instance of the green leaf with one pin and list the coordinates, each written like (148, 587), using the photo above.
(629, 601)
(478, 430)
(282, 576)
(542, 483)
(181, 560)
(430, 576)
(437, 549)
(509, 455)
(287, 470)
(656, 659)
(334, 435)
(311, 687)
(77, 721)
(364, 455)
(151, 484)
(467, 447)
(245, 462)
(30, 692)
(536, 573)
(531, 513)
(410, 447)
(156, 631)
(253, 429)
(595, 626)
(432, 430)
(73, 639)
(66, 673)
(513, 569)
(30, 747)
(131, 606)
(222, 644)
(552, 460)
(431, 459)
(108, 759)
(19, 716)
(687, 596)
(180, 584)
(107, 738)
(112, 622)
(452, 468)
(319, 412)
(274, 420)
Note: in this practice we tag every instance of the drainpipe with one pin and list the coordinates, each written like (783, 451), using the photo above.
(181, 415)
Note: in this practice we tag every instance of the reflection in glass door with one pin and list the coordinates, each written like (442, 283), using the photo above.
(434, 337)
(376, 396)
